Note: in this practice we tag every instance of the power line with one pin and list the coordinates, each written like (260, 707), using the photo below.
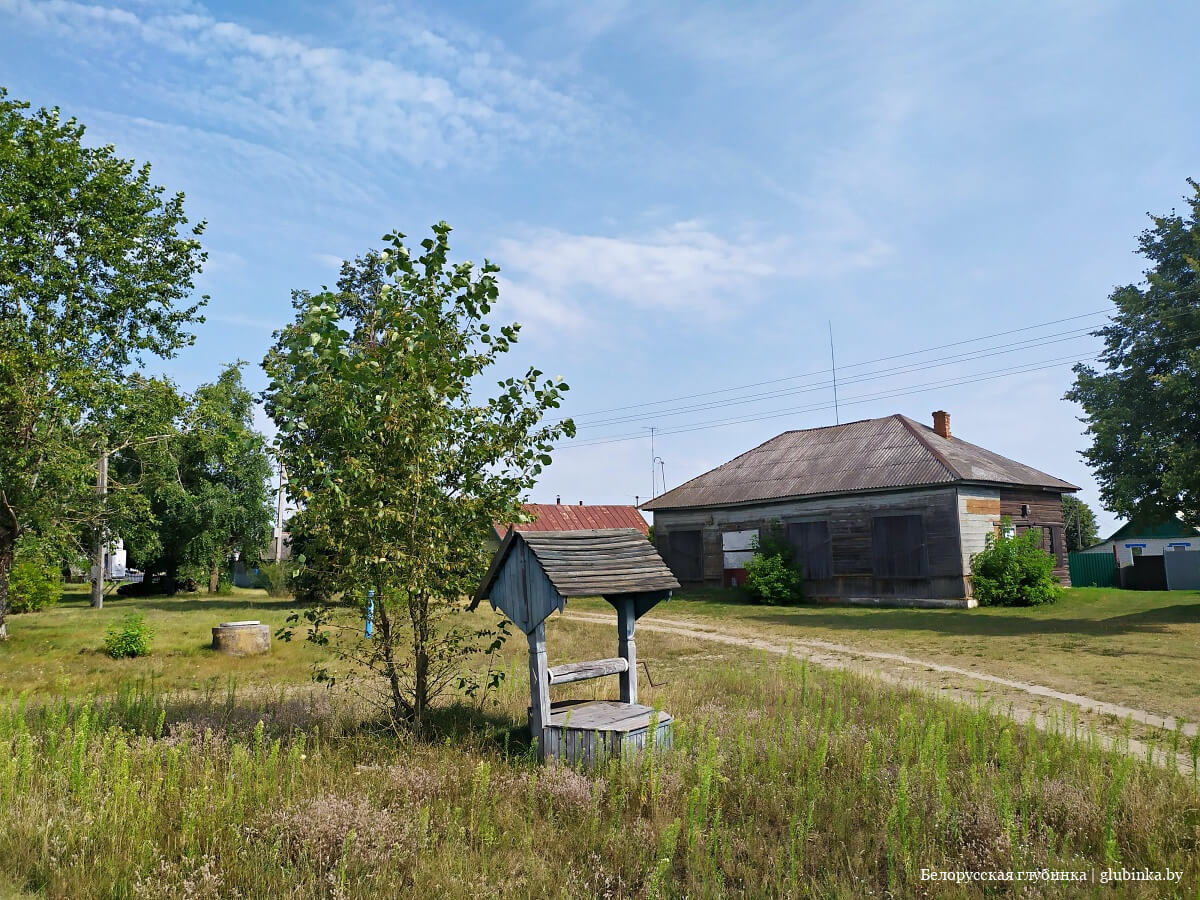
(888, 394)
(850, 366)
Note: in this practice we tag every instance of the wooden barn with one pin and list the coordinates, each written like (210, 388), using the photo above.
(881, 511)
(532, 575)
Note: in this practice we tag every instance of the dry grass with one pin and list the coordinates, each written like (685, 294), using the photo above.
(784, 781)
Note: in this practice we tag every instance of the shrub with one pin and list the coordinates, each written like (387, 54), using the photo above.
(1014, 570)
(275, 579)
(34, 582)
(128, 638)
(772, 575)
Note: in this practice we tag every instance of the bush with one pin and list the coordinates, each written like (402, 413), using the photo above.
(1014, 571)
(275, 579)
(128, 638)
(34, 582)
(772, 575)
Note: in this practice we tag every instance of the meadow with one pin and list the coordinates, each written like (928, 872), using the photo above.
(185, 774)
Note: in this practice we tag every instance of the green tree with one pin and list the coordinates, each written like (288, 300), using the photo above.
(96, 268)
(1143, 406)
(1080, 523)
(208, 485)
(398, 467)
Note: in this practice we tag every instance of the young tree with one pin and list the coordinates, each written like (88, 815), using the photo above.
(1142, 408)
(96, 268)
(208, 485)
(399, 469)
(1079, 522)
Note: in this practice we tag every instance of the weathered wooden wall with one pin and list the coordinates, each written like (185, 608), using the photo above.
(849, 520)
(1045, 512)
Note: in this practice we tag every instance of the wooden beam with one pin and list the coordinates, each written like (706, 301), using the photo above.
(539, 687)
(582, 671)
(626, 617)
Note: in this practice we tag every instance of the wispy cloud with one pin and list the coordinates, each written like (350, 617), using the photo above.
(455, 104)
(682, 268)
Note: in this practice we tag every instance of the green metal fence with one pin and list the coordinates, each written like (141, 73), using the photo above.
(1092, 569)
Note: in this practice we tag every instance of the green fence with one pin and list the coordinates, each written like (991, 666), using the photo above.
(1092, 569)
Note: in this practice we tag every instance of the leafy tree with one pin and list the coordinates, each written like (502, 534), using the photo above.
(1014, 570)
(96, 268)
(208, 485)
(36, 578)
(1142, 407)
(399, 468)
(772, 574)
(1080, 523)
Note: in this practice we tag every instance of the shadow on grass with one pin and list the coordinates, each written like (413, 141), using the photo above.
(995, 622)
(196, 604)
(490, 729)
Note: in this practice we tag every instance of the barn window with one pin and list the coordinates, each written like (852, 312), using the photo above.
(685, 555)
(814, 549)
(898, 546)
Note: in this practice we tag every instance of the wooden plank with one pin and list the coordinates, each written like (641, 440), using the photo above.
(539, 686)
(582, 671)
(627, 648)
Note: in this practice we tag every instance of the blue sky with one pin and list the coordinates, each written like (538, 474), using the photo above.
(681, 196)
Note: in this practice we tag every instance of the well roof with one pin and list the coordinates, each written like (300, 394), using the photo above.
(597, 562)
(893, 452)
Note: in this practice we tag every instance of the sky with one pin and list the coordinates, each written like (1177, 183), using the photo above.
(686, 200)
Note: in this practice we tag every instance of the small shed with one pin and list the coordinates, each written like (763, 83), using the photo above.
(532, 575)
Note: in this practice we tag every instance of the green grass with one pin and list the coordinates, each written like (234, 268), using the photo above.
(1137, 648)
(63, 646)
(784, 781)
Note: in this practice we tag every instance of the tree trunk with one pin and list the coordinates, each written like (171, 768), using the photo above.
(101, 536)
(7, 550)
(214, 578)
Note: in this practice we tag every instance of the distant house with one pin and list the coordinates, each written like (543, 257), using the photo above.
(1150, 555)
(879, 511)
(565, 517)
(1141, 538)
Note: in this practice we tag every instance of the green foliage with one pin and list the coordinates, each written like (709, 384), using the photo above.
(128, 638)
(96, 268)
(1014, 570)
(1080, 524)
(400, 469)
(1142, 407)
(772, 574)
(207, 484)
(36, 580)
(275, 578)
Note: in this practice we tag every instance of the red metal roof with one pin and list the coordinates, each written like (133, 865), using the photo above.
(564, 517)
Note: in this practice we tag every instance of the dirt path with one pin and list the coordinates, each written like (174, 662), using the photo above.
(1020, 700)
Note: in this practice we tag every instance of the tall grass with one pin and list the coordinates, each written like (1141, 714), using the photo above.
(784, 781)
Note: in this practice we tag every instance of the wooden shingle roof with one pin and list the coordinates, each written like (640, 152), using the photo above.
(579, 517)
(869, 455)
(599, 562)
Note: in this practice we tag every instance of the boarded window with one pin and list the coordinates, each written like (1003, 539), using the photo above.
(685, 555)
(814, 549)
(898, 546)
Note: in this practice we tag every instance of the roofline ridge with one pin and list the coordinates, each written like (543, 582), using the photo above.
(912, 429)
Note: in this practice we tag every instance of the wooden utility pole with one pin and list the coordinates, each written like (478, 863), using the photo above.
(101, 532)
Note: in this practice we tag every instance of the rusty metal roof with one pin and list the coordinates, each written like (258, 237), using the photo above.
(868, 455)
(563, 517)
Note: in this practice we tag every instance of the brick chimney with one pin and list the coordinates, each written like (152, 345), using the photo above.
(941, 423)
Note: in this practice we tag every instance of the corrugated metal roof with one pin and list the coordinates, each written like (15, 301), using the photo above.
(563, 517)
(868, 455)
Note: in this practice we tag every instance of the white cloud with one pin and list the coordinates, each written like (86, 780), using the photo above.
(682, 268)
(453, 103)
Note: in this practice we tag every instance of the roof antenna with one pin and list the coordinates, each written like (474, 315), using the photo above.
(833, 361)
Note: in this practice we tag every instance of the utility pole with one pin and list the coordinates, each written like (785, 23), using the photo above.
(833, 362)
(653, 479)
(101, 532)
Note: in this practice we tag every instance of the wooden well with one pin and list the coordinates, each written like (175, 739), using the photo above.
(531, 576)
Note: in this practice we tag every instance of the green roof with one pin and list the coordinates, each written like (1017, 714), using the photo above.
(1170, 528)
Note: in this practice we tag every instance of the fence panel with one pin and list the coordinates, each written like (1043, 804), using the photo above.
(1183, 570)
(1092, 570)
